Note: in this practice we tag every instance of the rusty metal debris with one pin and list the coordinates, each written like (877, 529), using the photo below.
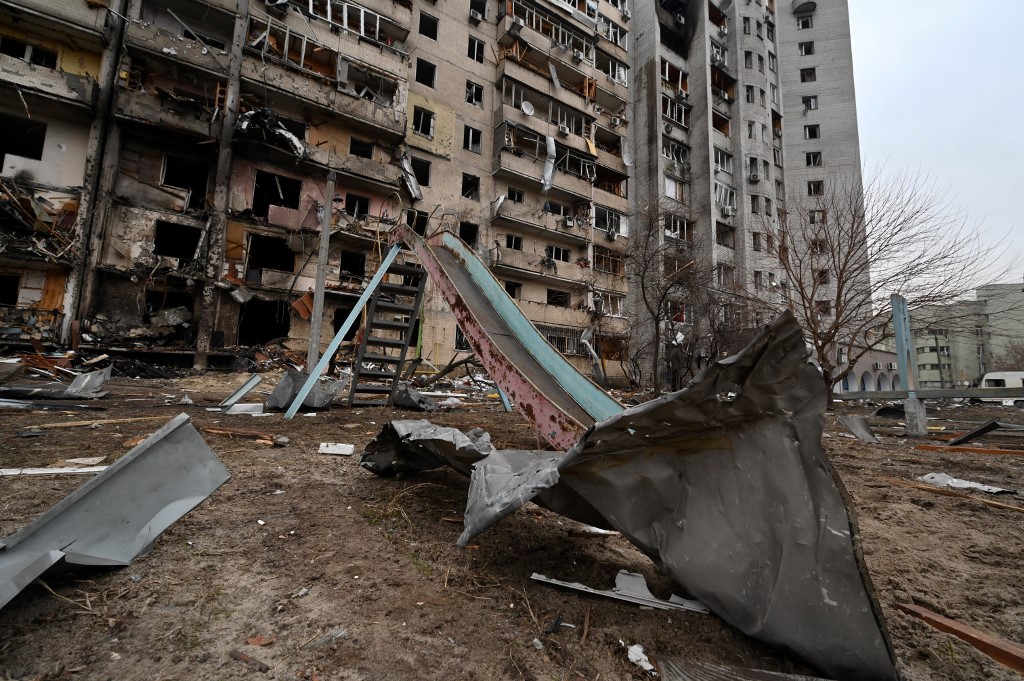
(733, 462)
(118, 514)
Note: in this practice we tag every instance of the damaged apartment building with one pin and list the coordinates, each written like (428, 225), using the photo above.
(168, 175)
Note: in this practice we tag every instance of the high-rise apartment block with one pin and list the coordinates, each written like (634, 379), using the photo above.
(170, 154)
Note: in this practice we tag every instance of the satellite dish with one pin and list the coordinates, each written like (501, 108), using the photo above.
(527, 108)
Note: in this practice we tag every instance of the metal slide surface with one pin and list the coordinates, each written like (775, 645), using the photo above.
(549, 390)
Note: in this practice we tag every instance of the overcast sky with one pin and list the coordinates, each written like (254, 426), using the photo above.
(939, 88)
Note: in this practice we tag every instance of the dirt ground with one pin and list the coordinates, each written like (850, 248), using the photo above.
(358, 577)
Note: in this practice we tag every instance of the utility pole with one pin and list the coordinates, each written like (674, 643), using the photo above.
(316, 321)
(218, 217)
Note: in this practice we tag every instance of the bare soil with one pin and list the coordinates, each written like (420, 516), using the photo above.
(358, 577)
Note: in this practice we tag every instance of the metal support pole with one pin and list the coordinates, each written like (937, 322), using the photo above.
(357, 310)
(316, 321)
(913, 407)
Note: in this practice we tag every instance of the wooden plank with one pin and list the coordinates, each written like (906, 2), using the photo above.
(232, 432)
(102, 422)
(971, 450)
(1000, 650)
(951, 493)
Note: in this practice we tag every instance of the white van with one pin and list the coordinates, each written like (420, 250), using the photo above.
(1000, 379)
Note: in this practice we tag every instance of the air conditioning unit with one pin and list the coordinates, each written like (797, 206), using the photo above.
(877, 365)
(568, 222)
(777, 134)
(754, 177)
(577, 56)
(616, 121)
(625, 14)
(680, 19)
(891, 365)
(718, 169)
(563, 130)
(669, 128)
(682, 95)
(475, 17)
(728, 211)
(723, 31)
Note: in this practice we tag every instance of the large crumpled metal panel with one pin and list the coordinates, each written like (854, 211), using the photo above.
(731, 494)
(118, 514)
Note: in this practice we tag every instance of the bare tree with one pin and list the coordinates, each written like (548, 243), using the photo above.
(1011, 359)
(670, 275)
(848, 249)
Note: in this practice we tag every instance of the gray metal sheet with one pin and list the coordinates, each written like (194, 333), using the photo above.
(118, 514)
(242, 391)
(725, 485)
(858, 425)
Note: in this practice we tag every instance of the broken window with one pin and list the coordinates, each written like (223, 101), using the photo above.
(810, 102)
(426, 73)
(808, 75)
(803, 23)
(22, 137)
(262, 321)
(720, 123)
(421, 169)
(476, 50)
(423, 122)
(514, 241)
(419, 218)
(357, 206)
(813, 158)
(557, 253)
(360, 148)
(188, 173)
(821, 277)
(725, 274)
(352, 263)
(566, 341)
(612, 222)
(558, 298)
(823, 307)
(461, 342)
(515, 195)
(816, 217)
(33, 54)
(723, 160)
(267, 253)
(470, 186)
(607, 260)
(471, 139)
(10, 285)
(469, 233)
(474, 94)
(428, 26)
(478, 6)
(725, 235)
(271, 189)
(176, 241)
(806, 49)
(815, 188)
(756, 236)
(514, 289)
(812, 132)
(678, 228)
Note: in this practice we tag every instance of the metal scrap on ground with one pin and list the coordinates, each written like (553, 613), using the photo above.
(943, 480)
(631, 587)
(858, 425)
(118, 514)
(734, 462)
(984, 429)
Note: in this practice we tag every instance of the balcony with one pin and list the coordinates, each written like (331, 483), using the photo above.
(371, 116)
(531, 219)
(606, 281)
(48, 83)
(163, 43)
(531, 168)
(166, 112)
(554, 315)
(804, 6)
(77, 16)
(534, 265)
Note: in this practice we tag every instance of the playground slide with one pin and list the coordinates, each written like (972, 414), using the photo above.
(549, 390)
